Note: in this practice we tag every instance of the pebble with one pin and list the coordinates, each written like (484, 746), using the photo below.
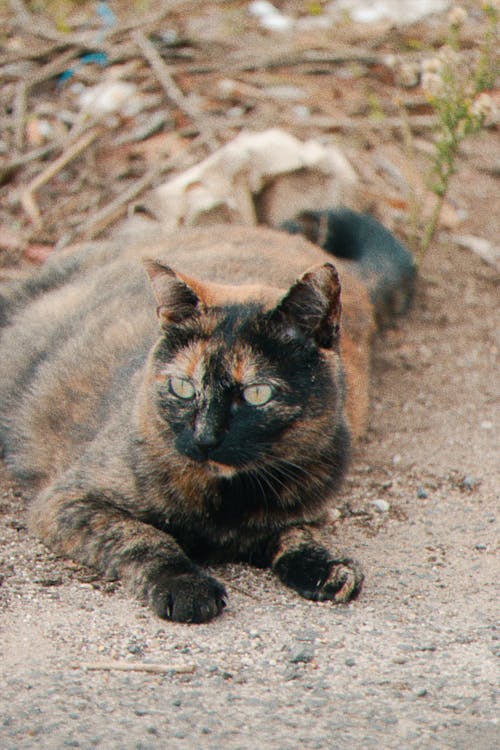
(307, 635)
(486, 425)
(350, 662)
(269, 16)
(470, 482)
(135, 648)
(301, 654)
(381, 505)
(422, 493)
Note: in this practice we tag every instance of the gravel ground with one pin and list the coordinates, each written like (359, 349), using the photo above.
(413, 663)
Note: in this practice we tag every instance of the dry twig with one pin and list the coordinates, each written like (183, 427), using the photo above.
(114, 209)
(127, 666)
(27, 197)
(89, 229)
(9, 167)
(171, 89)
(20, 114)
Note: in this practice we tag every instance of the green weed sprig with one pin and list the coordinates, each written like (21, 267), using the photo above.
(456, 92)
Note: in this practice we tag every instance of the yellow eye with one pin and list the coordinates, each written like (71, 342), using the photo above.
(181, 388)
(258, 394)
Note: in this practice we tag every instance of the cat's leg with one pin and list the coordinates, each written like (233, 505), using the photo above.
(304, 563)
(91, 528)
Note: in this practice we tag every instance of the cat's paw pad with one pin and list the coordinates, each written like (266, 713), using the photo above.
(315, 574)
(188, 597)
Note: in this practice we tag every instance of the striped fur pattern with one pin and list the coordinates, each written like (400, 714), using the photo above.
(165, 419)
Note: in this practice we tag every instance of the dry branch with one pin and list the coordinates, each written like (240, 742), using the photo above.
(126, 666)
(118, 206)
(28, 193)
(20, 101)
(171, 89)
(91, 228)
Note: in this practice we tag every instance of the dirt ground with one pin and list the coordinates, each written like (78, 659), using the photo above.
(413, 663)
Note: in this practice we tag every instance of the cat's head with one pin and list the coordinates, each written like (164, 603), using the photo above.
(243, 380)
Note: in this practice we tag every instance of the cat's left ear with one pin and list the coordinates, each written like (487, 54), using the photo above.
(177, 301)
(312, 306)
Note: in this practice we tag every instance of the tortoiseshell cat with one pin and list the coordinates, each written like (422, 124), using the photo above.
(217, 429)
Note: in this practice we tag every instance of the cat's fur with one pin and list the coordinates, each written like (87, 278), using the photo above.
(217, 429)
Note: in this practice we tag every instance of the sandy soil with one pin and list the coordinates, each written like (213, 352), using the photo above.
(412, 663)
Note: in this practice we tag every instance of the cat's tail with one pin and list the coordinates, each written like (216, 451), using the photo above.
(386, 266)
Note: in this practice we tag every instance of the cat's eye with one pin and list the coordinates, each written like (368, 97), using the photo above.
(258, 394)
(181, 388)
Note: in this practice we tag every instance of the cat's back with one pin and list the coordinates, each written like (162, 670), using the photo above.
(64, 358)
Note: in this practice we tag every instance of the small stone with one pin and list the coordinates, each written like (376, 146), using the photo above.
(422, 693)
(480, 546)
(470, 483)
(350, 662)
(292, 673)
(381, 505)
(135, 648)
(422, 493)
(486, 425)
(301, 654)
(307, 635)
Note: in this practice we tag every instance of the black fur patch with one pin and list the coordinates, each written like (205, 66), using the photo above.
(305, 569)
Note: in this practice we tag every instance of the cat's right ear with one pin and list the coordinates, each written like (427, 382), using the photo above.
(176, 300)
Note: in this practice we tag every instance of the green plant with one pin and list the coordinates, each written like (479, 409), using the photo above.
(455, 87)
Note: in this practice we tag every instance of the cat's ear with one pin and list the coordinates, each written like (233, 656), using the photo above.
(312, 306)
(176, 300)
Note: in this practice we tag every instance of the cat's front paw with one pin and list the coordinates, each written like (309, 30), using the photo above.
(188, 597)
(315, 574)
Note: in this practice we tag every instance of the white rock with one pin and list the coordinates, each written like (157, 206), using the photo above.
(381, 505)
(261, 8)
(277, 22)
(109, 97)
(270, 17)
(485, 249)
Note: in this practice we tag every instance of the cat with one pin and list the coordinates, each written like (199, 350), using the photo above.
(216, 429)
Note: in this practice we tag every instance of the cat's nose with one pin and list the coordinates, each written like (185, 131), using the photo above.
(206, 440)
(209, 427)
(206, 436)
